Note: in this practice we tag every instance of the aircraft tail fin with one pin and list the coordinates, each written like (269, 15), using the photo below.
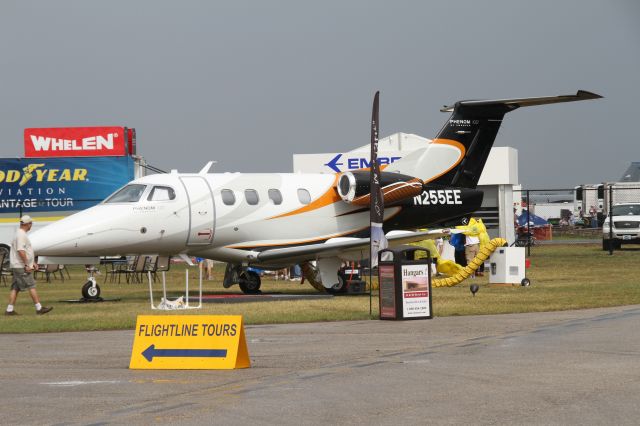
(457, 155)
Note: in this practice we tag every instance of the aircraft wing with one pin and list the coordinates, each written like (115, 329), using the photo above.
(343, 246)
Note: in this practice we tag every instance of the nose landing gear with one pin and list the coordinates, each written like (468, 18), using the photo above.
(91, 289)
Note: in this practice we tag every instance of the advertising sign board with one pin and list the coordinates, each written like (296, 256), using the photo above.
(387, 291)
(77, 142)
(415, 291)
(189, 342)
(60, 184)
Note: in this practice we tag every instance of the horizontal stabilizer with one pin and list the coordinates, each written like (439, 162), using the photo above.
(581, 95)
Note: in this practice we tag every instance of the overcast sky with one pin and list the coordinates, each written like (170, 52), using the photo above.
(250, 83)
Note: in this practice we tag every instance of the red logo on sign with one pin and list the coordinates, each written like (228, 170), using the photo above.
(75, 142)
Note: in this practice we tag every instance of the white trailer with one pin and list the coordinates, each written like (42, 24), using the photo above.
(622, 192)
(551, 211)
(586, 196)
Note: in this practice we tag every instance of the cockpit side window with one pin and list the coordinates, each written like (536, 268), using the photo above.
(161, 193)
(128, 194)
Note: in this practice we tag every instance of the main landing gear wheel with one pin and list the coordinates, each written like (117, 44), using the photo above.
(90, 292)
(339, 287)
(250, 282)
(525, 282)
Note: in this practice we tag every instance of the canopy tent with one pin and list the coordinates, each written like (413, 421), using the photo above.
(533, 219)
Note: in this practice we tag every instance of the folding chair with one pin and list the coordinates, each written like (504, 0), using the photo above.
(158, 264)
(116, 267)
(49, 270)
(4, 272)
(135, 274)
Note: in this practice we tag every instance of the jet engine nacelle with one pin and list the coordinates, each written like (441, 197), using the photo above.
(354, 187)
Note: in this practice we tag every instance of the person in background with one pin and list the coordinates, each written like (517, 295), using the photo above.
(22, 263)
(593, 213)
(206, 267)
(440, 245)
(471, 248)
(457, 241)
(296, 273)
(282, 273)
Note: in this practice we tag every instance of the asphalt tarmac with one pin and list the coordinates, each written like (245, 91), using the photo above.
(574, 367)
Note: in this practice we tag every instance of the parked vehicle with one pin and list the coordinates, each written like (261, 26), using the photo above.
(626, 226)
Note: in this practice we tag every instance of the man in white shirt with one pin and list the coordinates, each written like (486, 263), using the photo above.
(471, 249)
(22, 263)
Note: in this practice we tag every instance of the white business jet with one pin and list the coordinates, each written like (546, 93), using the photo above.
(275, 220)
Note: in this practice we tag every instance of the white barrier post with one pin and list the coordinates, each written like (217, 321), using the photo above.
(151, 292)
(186, 286)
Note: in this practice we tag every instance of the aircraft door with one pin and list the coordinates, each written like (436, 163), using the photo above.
(202, 213)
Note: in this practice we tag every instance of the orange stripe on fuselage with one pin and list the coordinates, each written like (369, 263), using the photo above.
(454, 144)
(329, 197)
(312, 240)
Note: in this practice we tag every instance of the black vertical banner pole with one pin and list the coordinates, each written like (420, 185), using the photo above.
(377, 239)
(528, 225)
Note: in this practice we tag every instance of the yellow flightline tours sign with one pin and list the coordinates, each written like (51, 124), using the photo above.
(189, 342)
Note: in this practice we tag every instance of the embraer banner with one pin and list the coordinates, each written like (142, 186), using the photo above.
(75, 142)
(336, 162)
(60, 184)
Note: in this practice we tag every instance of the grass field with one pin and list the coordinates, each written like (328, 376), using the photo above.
(562, 277)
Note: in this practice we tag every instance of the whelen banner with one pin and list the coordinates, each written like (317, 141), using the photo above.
(60, 184)
(78, 142)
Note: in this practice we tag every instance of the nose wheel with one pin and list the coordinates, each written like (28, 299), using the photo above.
(91, 289)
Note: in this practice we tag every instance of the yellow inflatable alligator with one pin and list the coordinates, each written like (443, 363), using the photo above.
(458, 273)
(467, 271)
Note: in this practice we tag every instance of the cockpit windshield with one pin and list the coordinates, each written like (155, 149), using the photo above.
(128, 194)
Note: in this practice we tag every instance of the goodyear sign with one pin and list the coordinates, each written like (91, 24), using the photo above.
(189, 342)
(60, 184)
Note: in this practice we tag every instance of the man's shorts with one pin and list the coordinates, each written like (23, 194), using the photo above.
(22, 280)
(470, 252)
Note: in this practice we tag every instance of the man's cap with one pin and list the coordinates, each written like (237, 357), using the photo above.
(26, 219)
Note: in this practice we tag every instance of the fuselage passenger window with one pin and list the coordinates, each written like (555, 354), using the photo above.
(161, 193)
(128, 194)
(251, 195)
(304, 196)
(275, 196)
(228, 197)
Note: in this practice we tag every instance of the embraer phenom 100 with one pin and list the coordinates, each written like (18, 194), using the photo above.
(275, 220)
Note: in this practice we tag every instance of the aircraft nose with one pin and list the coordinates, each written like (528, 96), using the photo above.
(52, 240)
(62, 238)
